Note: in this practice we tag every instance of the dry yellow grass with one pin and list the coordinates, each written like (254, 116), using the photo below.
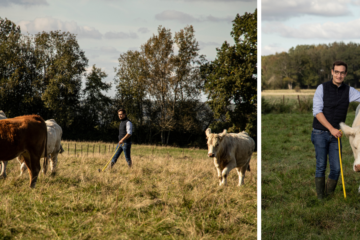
(287, 92)
(170, 193)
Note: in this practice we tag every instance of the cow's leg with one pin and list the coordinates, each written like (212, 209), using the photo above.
(53, 162)
(3, 169)
(23, 167)
(33, 164)
(217, 166)
(241, 172)
(226, 170)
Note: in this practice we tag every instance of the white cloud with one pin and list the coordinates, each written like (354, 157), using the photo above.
(328, 30)
(172, 15)
(51, 24)
(134, 49)
(206, 44)
(282, 10)
(143, 30)
(109, 49)
(355, 2)
(120, 35)
(25, 3)
(272, 49)
(215, 19)
(175, 16)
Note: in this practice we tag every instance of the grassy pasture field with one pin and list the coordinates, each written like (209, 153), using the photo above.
(170, 193)
(287, 94)
(290, 208)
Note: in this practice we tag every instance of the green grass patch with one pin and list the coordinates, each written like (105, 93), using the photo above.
(170, 193)
(290, 208)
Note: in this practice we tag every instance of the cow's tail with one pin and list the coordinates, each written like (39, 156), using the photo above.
(46, 161)
(61, 149)
(248, 167)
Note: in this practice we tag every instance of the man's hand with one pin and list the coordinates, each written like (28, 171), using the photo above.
(336, 132)
(121, 142)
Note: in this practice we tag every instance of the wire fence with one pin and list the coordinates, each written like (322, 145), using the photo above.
(87, 149)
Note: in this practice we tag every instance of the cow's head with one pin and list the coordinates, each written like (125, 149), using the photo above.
(213, 141)
(354, 137)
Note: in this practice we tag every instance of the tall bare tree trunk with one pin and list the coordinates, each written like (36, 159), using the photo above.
(167, 140)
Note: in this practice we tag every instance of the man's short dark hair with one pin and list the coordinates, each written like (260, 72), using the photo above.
(122, 110)
(339, 63)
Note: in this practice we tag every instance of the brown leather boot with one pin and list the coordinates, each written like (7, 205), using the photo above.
(320, 187)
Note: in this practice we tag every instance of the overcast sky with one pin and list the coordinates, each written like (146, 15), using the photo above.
(107, 28)
(286, 24)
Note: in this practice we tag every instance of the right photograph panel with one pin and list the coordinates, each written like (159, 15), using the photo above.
(310, 82)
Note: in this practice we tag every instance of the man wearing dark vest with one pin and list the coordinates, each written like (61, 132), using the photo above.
(330, 104)
(125, 131)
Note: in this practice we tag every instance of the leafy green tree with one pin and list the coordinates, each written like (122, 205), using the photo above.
(95, 102)
(231, 80)
(158, 54)
(131, 85)
(186, 83)
(62, 63)
(19, 78)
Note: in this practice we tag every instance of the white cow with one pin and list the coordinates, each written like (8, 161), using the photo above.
(230, 150)
(354, 138)
(2, 115)
(54, 134)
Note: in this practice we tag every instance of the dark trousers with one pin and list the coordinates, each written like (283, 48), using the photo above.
(126, 147)
(326, 144)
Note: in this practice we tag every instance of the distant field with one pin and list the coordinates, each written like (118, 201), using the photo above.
(286, 95)
(287, 92)
(170, 193)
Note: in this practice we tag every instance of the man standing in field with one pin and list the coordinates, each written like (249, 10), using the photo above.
(125, 131)
(330, 104)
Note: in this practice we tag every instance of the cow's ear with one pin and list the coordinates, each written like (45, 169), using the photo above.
(349, 131)
(207, 132)
(223, 133)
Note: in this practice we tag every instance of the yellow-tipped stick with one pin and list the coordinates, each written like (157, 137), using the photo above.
(112, 157)
(342, 173)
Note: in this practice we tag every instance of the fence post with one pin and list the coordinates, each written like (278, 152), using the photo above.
(68, 148)
(299, 101)
(87, 150)
(93, 149)
(75, 149)
(80, 150)
(99, 149)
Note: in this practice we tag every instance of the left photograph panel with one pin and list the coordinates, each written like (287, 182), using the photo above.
(128, 120)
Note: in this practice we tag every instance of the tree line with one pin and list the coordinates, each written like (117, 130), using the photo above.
(159, 87)
(307, 66)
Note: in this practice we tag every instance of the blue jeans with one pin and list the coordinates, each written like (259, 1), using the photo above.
(325, 144)
(124, 147)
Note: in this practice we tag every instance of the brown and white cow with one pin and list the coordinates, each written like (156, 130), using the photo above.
(2, 165)
(230, 150)
(26, 136)
(54, 135)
